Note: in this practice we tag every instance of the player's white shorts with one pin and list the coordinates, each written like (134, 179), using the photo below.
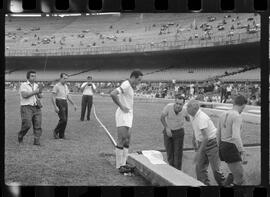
(123, 119)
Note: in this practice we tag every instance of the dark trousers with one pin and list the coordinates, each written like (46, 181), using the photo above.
(209, 155)
(87, 101)
(174, 147)
(30, 115)
(63, 117)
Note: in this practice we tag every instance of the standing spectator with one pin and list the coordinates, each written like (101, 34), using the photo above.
(191, 90)
(200, 96)
(60, 95)
(229, 90)
(205, 144)
(196, 89)
(172, 118)
(30, 93)
(223, 93)
(89, 89)
(231, 148)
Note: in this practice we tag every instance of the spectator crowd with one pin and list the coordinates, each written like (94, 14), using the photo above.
(85, 32)
(208, 91)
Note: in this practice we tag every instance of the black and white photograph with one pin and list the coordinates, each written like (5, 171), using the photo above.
(132, 99)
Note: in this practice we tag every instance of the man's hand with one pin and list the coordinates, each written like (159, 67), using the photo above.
(56, 109)
(39, 95)
(196, 158)
(168, 132)
(244, 157)
(124, 109)
(187, 118)
(195, 145)
(36, 91)
(40, 88)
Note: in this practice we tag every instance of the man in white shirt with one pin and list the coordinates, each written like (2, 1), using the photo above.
(30, 92)
(123, 98)
(60, 95)
(205, 144)
(88, 89)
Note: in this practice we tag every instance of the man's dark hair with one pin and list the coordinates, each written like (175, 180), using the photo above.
(180, 97)
(29, 73)
(62, 75)
(136, 74)
(240, 100)
(89, 77)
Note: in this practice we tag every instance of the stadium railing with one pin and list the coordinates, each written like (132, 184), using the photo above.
(235, 39)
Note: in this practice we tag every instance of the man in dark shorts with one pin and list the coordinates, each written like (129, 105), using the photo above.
(231, 148)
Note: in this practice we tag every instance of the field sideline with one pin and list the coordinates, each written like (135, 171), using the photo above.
(86, 156)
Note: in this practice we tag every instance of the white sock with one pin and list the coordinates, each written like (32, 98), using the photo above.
(125, 155)
(118, 157)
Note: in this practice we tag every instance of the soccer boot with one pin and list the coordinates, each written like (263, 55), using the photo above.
(123, 170)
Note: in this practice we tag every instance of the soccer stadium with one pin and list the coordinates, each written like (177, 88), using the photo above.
(203, 56)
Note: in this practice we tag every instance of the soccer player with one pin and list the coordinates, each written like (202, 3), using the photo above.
(205, 144)
(123, 98)
(173, 119)
(30, 93)
(89, 89)
(231, 148)
(60, 95)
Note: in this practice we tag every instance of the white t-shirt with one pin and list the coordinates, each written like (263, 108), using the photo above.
(27, 87)
(61, 91)
(191, 90)
(202, 121)
(88, 90)
(126, 95)
(229, 88)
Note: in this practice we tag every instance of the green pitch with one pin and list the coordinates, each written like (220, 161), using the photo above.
(86, 156)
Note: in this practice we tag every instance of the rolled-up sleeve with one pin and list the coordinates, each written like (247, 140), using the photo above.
(55, 89)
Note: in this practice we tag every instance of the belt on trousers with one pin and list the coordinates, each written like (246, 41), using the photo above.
(29, 105)
(60, 99)
(208, 140)
(177, 130)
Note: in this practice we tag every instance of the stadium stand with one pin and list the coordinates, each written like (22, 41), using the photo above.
(111, 34)
(250, 75)
(114, 74)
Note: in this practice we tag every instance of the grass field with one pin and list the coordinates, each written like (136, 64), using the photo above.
(86, 157)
